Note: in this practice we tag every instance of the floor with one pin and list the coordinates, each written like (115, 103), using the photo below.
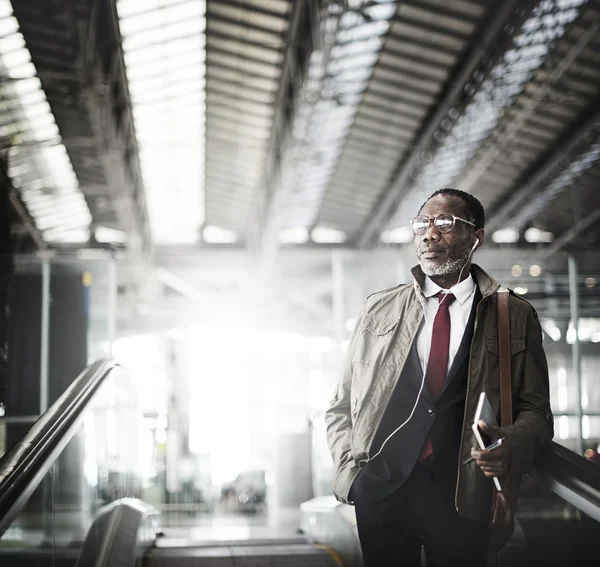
(181, 529)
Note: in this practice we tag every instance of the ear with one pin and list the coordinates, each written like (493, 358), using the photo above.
(479, 237)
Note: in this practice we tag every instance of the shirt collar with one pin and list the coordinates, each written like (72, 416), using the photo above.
(461, 291)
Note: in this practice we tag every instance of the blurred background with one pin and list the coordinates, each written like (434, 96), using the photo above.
(206, 190)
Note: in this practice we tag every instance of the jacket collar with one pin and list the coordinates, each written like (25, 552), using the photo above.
(486, 284)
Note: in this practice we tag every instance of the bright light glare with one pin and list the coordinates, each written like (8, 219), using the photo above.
(562, 392)
(535, 235)
(550, 328)
(110, 235)
(326, 235)
(264, 386)
(535, 270)
(216, 235)
(585, 427)
(589, 330)
(298, 235)
(563, 427)
(506, 236)
(400, 235)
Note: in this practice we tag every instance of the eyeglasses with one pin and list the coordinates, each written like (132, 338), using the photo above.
(443, 222)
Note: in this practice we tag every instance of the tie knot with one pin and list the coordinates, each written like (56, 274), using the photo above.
(445, 298)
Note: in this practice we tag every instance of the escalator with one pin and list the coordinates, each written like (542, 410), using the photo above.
(64, 502)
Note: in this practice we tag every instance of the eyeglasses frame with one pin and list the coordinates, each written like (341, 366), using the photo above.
(433, 219)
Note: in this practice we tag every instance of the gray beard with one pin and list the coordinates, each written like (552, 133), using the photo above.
(449, 267)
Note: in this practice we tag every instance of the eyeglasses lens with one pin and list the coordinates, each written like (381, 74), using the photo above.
(420, 225)
(444, 223)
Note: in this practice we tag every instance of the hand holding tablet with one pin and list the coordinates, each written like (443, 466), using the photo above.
(494, 457)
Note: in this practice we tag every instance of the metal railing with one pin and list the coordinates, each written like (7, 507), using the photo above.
(24, 466)
(570, 476)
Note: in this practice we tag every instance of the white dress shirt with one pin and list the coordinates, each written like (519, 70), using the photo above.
(459, 310)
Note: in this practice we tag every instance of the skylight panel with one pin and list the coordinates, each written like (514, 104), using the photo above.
(43, 174)
(73, 236)
(151, 19)
(506, 81)
(163, 33)
(565, 178)
(168, 90)
(323, 126)
(188, 61)
(131, 7)
(12, 42)
(156, 81)
(8, 25)
(164, 51)
(110, 235)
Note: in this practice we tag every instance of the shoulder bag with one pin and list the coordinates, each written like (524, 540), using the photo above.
(502, 521)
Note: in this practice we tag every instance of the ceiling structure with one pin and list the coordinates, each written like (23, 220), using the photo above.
(235, 150)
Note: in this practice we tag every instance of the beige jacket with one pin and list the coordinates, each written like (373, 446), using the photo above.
(385, 330)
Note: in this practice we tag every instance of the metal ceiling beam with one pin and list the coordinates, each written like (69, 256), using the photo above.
(503, 137)
(567, 237)
(246, 9)
(497, 19)
(266, 45)
(302, 29)
(114, 140)
(552, 164)
(87, 32)
(246, 26)
(27, 221)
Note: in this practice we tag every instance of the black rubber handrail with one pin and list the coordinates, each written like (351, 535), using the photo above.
(570, 476)
(23, 467)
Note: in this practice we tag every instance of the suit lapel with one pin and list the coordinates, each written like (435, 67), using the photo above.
(465, 343)
(416, 371)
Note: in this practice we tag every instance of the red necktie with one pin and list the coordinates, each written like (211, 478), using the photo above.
(437, 365)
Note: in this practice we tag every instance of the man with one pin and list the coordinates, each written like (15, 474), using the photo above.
(399, 424)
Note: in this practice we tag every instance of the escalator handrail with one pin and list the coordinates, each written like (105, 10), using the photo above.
(25, 465)
(570, 476)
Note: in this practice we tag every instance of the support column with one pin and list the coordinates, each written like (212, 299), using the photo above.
(111, 311)
(45, 334)
(6, 268)
(337, 294)
(574, 299)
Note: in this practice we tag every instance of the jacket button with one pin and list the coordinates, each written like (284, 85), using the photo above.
(430, 411)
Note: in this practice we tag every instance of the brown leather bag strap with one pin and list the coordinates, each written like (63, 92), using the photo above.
(504, 358)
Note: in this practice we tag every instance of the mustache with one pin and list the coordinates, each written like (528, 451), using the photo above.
(428, 248)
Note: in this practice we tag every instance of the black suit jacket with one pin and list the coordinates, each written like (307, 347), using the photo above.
(443, 420)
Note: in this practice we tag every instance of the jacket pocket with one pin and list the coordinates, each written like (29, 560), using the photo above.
(516, 345)
(343, 481)
(517, 351)
(374, 341)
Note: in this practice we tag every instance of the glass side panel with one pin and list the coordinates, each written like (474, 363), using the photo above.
(549, 530)
(100, 464)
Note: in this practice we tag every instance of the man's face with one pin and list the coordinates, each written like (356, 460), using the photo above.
(444, 254)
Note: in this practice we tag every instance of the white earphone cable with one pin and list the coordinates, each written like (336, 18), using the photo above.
(429, 329)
